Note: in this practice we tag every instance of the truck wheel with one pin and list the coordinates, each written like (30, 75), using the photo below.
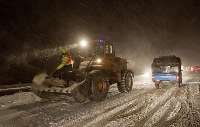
(98, 89)
(126, 83)
(179, 83)
(180, 80)
(157, 85)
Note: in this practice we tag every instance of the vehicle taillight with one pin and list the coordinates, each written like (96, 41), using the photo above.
(177, 78)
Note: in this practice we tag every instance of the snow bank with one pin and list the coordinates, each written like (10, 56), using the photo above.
(18, 99)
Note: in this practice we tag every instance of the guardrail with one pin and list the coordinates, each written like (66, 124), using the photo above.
(11, 89)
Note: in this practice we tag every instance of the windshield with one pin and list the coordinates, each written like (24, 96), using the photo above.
(165, 69)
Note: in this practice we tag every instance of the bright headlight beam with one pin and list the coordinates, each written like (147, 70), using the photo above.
(83, 43)
(147, 74)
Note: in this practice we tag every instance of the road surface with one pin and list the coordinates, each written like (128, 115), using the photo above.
(145, 106)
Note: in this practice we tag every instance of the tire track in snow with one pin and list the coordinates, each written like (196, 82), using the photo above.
(182, 113)
(139, 104)
(191, 116)
(149, 111)
(170, 110)
(159, 114)
(110, 108)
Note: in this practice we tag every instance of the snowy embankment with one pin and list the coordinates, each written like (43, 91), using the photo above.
(21, 98)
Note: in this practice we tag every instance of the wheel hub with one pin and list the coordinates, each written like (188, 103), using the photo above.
(102, 86)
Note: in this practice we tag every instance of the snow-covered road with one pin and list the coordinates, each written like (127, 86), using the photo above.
(144, 106)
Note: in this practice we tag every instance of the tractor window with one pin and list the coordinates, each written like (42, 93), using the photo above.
(109, 49)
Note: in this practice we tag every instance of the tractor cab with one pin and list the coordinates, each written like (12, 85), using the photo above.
(98, 48)
(104, 48)
(106, 59)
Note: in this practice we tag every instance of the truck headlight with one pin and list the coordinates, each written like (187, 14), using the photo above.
(147, 74)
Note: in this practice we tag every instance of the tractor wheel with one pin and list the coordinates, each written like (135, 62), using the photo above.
(126, 83)
(98, 89)
(121, 86)
(129, 81)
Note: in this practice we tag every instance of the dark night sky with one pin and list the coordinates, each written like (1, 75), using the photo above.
(142, 28)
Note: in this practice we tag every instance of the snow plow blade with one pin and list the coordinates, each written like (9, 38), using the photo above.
(43, 83)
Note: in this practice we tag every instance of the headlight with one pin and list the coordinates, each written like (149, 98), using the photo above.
(99, 60)
(147, 74)
(83, 43)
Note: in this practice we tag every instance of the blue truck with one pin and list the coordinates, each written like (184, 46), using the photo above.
(166, 68)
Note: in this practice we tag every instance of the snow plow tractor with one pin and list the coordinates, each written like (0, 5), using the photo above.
(167, 69)
(89, 76)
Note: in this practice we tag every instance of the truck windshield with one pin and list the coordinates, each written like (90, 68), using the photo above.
(165, 69)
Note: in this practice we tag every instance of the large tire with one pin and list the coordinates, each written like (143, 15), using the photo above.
(126, 83)
(98, 88)
(157, 85)
(121, 86)
(179, 83)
